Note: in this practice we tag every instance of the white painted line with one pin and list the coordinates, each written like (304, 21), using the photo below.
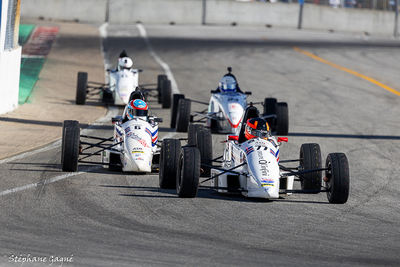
(167, 70)
(112, 112)
(53, 145)
(48, 181)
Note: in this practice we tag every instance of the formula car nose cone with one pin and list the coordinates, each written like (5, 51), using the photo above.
(235, 111)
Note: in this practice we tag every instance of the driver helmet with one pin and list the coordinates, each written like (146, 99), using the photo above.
(125, 63)
(257, 127)
(227, 84)
(137, 109)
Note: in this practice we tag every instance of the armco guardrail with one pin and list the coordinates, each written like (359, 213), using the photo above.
(216, 12)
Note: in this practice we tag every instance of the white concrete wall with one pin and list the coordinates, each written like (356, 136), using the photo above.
(10, 64)
(218, 12)
(82, 10)
(156, 11)
(348, 20)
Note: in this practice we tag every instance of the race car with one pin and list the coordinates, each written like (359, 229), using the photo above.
(251, 166)
(123, 80)
(225, 109)
(132, 148)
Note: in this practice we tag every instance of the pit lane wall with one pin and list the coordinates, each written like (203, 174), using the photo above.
(10, 63)
(220, 12)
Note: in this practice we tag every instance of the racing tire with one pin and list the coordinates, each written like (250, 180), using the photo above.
(81, 88)
(66, 123)
(188, 174)
(270, 106)
(166, 94)
(339, 178)
(183, 115)
(169, 159)
(70, 149)
(160, 78)
(192, 133)
(282, 120)
(204, 144)
(115, 159)
(310, 158)
(174, 108)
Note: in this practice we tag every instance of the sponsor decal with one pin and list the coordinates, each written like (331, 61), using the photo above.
(267, 182)
(127, 129)
(137, 151)
(133, 136)
(118, 132)
(143, 142)
(249, 150)
(263, 164)
(148, 131)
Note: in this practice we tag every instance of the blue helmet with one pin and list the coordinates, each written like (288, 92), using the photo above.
(227, 84)
(136, 108)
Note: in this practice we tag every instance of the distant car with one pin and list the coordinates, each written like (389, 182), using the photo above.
(123, 80)
(225, 110)
(132, 148)
(253, 167)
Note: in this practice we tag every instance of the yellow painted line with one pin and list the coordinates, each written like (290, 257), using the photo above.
(347, 70)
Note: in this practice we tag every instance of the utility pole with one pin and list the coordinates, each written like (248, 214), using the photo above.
(396, 18)
(301, 2)
(203, 18)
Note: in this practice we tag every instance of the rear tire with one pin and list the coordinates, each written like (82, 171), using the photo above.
(174, 108)
(160, 78)
(166, 94)
(169, 159)
(183, 115)
(282, 120)
(339, 183)
(310, 158)
(187, 179)
(70, 149)
(81, 88)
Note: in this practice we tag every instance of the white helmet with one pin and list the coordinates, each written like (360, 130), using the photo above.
(125, 63)
(227, 84)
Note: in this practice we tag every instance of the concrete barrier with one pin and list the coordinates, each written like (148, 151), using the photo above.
(71, 10)
(10, 64)
(220, 12)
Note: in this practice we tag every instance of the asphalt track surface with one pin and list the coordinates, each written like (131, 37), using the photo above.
(101, 218)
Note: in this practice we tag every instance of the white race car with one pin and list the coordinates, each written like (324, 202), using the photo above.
(253, 168)
(225, 109)
(132, 148)
(123, 80)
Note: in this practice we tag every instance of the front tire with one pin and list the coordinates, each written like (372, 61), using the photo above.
(201, 138)
(81, 88)
(174, 108)
(66, 123)
(187, 179)
(169, 159)
(282, 117)
(310, 158)
(183, 116)
(339, 178)
(160, 78)
(70, 149)
(166, 94)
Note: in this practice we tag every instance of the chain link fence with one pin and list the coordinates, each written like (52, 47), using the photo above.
(385, 5)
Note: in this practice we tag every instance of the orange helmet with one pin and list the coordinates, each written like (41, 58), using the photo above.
(257, 127)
